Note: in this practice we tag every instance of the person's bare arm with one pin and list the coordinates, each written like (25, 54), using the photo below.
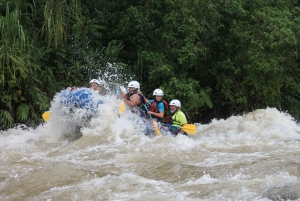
(134, 100)
(100, 91)
(154, 114)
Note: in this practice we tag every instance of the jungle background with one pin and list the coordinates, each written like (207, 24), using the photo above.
(218, 57)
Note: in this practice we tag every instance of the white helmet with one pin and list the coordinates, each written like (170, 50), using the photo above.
(95, 81)
(158, 92)
(134, 84)
(176, 103)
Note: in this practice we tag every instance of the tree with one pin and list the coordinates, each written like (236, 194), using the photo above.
(21, 98)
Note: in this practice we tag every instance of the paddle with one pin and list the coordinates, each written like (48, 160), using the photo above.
(154, 123)
(122, 107)
(188, 128)
(46, 116)
(122, 104)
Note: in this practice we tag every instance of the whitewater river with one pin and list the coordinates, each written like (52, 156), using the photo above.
(239, 158)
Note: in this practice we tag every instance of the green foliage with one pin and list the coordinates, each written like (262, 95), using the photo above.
(171, 46)
(6, 119)
(58, 15)
(18, 75)
(23, 112)
(206, 98)
(216, 57)
(259, 47)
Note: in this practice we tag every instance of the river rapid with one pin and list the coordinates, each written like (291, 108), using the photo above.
(239, 158)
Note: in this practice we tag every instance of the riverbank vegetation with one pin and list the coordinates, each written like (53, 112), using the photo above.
(218, 57)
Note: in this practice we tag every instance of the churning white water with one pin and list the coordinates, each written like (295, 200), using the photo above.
(239, 158)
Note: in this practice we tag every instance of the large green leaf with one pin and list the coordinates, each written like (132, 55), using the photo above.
(206, 98)
(6, 119)
(23, 112)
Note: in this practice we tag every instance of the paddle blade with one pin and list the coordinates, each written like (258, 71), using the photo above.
(122, 107)
(189, 128)
(156, 128)
(46, 116)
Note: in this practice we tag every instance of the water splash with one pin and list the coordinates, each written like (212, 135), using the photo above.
(229, 159)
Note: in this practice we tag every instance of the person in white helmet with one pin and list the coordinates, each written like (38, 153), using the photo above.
(158, 106)
(175, 119)
(134, 97)
(95, 85)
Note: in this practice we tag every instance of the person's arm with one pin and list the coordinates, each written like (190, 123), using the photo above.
(100, 91)
(159, 115)
(182, 119)
(134, 100)
(122, 94)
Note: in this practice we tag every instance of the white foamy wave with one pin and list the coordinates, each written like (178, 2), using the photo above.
(228, 159)
(255, 128)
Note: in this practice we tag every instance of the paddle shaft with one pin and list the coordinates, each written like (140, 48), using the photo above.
(153, 122)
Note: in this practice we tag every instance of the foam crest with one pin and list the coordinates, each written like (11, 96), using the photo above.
(264, 125)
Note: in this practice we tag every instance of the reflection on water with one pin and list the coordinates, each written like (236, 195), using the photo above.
(240, 158)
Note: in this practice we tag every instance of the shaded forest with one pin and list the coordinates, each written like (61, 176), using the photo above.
(218, 58)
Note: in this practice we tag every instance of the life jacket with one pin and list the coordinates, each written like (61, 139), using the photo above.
(154, 107)
(169, 120)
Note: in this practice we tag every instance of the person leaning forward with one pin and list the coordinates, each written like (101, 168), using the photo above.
(134, 98)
